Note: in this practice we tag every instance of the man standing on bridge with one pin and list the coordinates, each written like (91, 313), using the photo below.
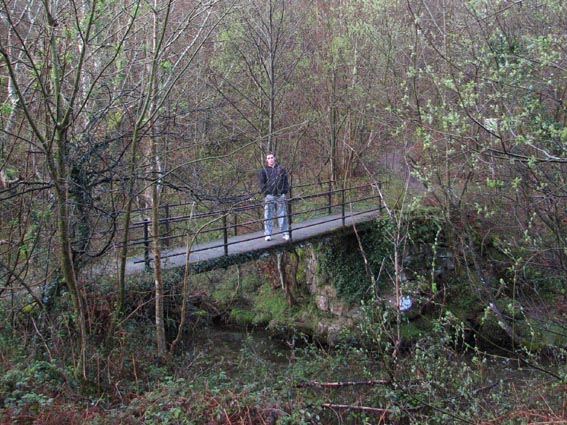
(274, 185)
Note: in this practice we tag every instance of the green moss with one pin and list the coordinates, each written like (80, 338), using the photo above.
(416, 329)
(460, 300)
(229, 286)
(551, 335)
(272, 302)
(243, 317)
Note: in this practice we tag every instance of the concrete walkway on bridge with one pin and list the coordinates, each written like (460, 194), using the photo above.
(242, 248)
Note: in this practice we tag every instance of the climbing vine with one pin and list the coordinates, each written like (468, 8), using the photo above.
(342, 260)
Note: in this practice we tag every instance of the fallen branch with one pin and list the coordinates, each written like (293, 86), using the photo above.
(341, 384)
(351, 407)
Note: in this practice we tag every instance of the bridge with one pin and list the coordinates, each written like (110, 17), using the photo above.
(231, 234)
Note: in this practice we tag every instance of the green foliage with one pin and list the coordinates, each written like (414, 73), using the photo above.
(34, 385)
(243, 283)
(477, 88)
(246, 317)
(272, 303)
(437, 378)
(441, 378)
(343, 259)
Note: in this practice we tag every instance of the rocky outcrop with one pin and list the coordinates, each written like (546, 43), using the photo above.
(336, 314)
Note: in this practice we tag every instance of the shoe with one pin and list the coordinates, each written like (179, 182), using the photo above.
(285, 237)
(268, 238)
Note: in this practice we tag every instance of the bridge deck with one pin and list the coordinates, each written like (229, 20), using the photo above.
(242, 248)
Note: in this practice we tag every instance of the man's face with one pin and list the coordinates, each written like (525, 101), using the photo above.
(270, 160)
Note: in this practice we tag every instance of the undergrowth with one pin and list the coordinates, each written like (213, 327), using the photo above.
(436, 373)
(438, 378)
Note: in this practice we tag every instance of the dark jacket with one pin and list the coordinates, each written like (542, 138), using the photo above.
(273, 180)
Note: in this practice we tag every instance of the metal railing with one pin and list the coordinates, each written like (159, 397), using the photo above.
(247, 217)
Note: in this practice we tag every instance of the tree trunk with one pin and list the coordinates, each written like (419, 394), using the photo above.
(70, 277)
(283, 279)
(155, 185)
(158, 280)
(67, 264)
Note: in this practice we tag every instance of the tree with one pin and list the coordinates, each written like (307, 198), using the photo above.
(56, 60)
(163, 73)
(488, 84)
(84, 86)
(262, 52)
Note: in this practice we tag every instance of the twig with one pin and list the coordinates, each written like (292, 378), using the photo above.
(351, 407)
(341, 384)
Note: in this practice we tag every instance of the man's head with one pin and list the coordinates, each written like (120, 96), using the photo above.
(270, 159)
